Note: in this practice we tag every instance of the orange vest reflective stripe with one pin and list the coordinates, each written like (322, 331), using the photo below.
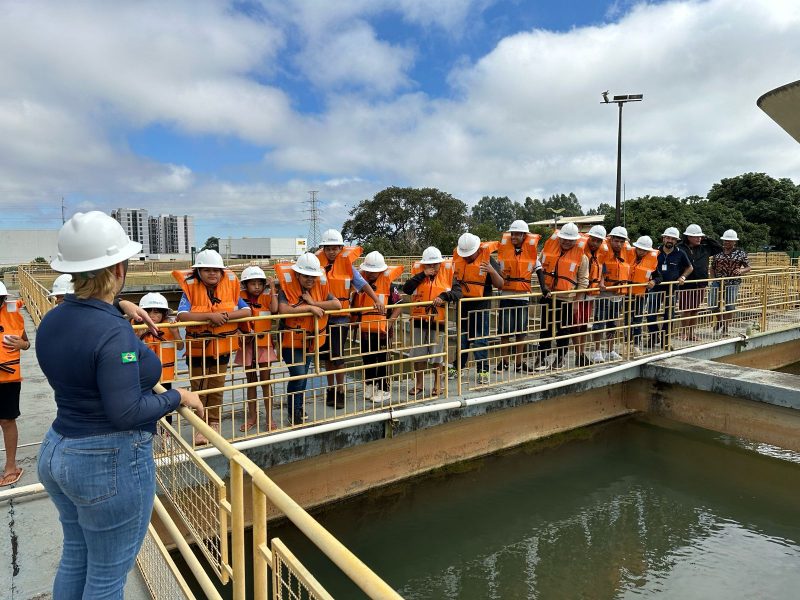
(164, 347)
(340, 275)
(373, 321)
(11, 323)
(431, 288)
(561, 268)
(596, 261)
(223, 339)
(642, 269)
(469, 274)
(259, 307)
(617, 271)
(517, 268)
(300, 330)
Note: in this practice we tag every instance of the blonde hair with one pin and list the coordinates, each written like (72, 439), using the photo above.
(97, 284)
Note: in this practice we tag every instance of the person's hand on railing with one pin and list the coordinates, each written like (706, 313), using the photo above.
(191, 400)
(438, 302)
(318, 312)
(218, 318)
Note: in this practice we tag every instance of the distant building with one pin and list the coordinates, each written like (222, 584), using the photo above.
(171, 234)
(261, 247)
(24, 245)
(136, 224)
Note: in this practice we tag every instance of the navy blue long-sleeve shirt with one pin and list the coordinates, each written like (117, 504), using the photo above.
(101, 372)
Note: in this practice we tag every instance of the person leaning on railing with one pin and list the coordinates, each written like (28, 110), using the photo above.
(614, 272)
(673, 266)
(433, 280)
(731, 262)
(595, 248)
(566, 268)
(61, 286)
(96, 461)
(699, 248)
(304, 289)
(518, 258)
(643, 261)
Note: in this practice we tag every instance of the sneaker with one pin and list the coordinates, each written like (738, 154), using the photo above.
(483, 378)
(369, 391)
(380, 396)
(330, 400)
(581, 360)
(637, 351)
(597, 357)
(452, 373)
(613, 355)
(524, 368)
(501, 366)
(338, 398)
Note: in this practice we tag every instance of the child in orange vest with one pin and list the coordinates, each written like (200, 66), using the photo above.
(376, 328)
(257, 351)
(210, 294)
(14, 339)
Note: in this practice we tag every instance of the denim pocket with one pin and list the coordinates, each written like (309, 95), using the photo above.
(89, 475)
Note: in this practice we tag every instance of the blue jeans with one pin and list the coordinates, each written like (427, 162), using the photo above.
(103, 488)
(295, 389)
(731, 293)
(474, 332)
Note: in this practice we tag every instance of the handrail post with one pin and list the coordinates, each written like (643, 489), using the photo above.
(459, 333)
(261, 565)
(237, 528)
(765, 300)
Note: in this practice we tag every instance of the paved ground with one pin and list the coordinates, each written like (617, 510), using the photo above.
(30, 534)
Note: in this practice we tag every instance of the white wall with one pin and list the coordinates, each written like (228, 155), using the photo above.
(21, 246)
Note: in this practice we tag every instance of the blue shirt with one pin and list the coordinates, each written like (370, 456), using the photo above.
(671, 266)
(101, 372)
(185, 306)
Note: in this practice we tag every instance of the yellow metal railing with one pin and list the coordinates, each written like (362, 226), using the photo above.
(273, 563)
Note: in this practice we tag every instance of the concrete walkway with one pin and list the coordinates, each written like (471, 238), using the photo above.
(30, 533)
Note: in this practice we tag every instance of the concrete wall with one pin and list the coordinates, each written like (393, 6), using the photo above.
(23, 245)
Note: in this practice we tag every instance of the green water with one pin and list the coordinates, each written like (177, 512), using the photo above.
(629, 509)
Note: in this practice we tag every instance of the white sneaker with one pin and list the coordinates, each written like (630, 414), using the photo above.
(637, 351)
(369, 391)
(613, 355)
(597, 357)
(380, 396)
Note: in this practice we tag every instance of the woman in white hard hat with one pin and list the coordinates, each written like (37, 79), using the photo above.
(210, 294)
(96, 461)
(730, 264)
(13, 341)
(257, 352)
(61, 286)
(305, 296)
(376, 328)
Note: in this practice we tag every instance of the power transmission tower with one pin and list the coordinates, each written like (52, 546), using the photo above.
(312, 241)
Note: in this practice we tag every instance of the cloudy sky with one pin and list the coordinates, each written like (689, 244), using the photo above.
(232, 111)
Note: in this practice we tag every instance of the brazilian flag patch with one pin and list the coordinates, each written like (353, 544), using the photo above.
(129, 357)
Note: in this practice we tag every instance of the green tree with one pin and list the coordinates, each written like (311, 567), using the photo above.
(765, 200)
(212, 243)
(499, 212)
(40, 259)
(569, 202)
(534, 210)
(404, 221)
(602, 209)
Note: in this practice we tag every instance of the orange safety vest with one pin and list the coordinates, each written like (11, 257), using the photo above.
(259, 307)
(340, 275)
(561, 268)
(617, 271)
(300, 330)
(642, 269)
(221, 340)
(596, 260)
(430, 288)
(469, 274)
(517, 268)
(373, 321)
(164, 346)
(11, 323)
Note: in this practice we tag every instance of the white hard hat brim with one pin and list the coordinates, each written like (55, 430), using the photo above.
(642, 247)
(432, 261)
(86, 266)
(374, 269)
(567, 236)
(467, 252)
(306, 271)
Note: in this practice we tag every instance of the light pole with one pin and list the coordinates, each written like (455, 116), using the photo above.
(620, 100)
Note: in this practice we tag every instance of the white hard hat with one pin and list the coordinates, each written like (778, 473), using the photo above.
(729, 236)
(619, 232)
(154, 300)
(62, 285)
(331, 237)
(644, 243)
(307, 264)
(598, 231)
(569, 232)
(468, 244)
(671, 232)
(519, 226)
(693, 230)
(431, 256)
(92, 241)
(374, 262)
(253, 273)
(3, 290)
(208, 258)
